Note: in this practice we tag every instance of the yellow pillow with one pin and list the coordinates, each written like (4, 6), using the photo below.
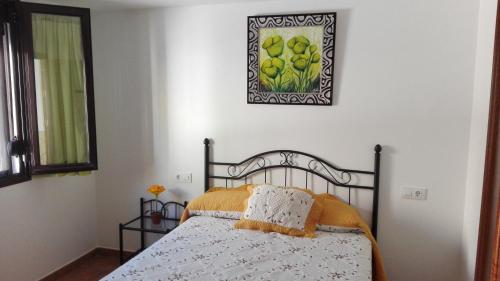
(337, 213)
(218, 203)
(290, 211)
(243, 187)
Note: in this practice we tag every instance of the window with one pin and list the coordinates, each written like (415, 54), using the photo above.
(14, 167)
(47, 119)
(61, 98)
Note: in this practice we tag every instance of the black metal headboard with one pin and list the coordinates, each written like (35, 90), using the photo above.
(312, 165)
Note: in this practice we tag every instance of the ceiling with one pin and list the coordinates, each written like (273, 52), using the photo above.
(135, 4)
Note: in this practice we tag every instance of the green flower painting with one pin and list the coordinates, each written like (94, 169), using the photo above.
(290, 59)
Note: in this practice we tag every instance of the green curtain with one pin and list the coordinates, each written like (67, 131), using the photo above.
(57, 46)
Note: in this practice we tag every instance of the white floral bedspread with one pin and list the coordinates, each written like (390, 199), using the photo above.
(207, 248)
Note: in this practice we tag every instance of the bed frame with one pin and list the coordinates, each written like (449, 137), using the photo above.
(310, 164)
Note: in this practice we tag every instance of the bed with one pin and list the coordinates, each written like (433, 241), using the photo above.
(207, 247)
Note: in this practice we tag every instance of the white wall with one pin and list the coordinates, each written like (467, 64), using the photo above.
(404, 78)
(127, 127)
(478, 131)
(44, 224)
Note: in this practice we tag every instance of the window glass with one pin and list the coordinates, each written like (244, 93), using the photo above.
(10, 100)
(4, 133)
(61, 98)
(13, 148)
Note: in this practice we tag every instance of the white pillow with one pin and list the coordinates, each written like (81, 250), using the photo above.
(285, 207)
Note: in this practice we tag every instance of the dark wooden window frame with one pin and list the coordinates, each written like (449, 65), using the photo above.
(27, 10)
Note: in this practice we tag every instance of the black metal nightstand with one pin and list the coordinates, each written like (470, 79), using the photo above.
(170, 215)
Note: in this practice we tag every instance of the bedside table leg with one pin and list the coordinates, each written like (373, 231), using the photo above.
(121, 243)
(143, 243)
(142, 225)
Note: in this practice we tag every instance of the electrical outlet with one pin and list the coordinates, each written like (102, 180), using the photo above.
(184, 178)
(414, 193)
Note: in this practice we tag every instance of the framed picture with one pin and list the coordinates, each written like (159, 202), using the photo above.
(290, 59)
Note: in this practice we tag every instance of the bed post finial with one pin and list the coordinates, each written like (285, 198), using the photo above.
(206, 142)
(376, 179)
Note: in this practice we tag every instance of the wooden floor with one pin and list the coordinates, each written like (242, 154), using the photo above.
(90, 267)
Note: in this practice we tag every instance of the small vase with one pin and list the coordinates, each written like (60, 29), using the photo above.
(156, 217)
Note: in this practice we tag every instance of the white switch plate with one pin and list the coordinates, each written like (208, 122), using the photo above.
(414, 193)
(185, 178)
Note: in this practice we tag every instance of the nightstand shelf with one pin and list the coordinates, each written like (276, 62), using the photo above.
(170, 214)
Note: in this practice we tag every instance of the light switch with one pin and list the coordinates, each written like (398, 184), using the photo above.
(414, 193)
(184, 178)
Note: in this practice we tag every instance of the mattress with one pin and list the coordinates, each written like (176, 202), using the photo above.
(208, 248)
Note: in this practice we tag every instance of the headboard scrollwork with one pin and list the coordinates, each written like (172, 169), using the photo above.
(296, 160)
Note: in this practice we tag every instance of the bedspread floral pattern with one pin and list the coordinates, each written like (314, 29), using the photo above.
(207, 248)
(216, 214)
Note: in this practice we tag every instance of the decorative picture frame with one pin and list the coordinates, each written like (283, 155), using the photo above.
(291, 59)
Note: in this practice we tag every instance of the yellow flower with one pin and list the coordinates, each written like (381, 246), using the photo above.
(156, 189)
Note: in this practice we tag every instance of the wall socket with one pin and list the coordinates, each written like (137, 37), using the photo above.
(414, 193)
(184, 178)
